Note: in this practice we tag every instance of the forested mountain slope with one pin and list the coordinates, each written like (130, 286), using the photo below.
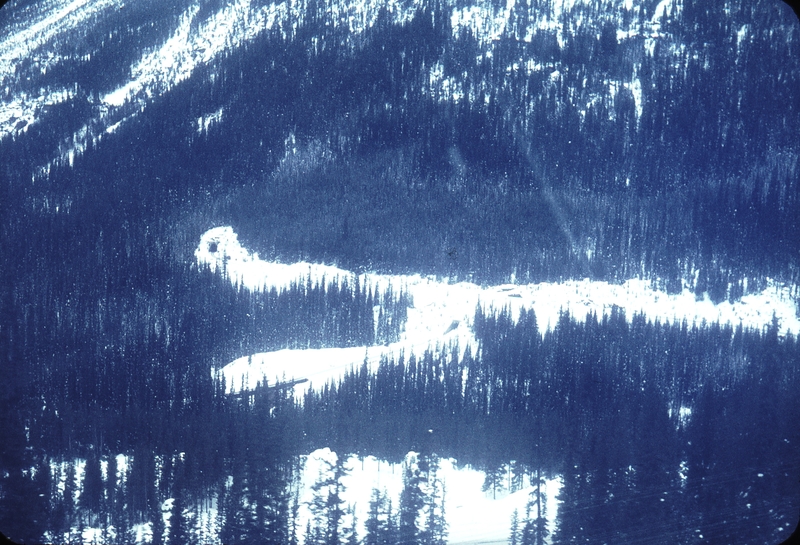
(513, 142)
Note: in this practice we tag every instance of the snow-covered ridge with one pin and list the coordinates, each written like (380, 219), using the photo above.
(32, 41)
(192, 44)
(195, 44)
(46, 37)
(442, 313)
(53, 19)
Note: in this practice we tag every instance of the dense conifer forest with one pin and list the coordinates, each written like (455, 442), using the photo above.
(344, 148)
(604, 403)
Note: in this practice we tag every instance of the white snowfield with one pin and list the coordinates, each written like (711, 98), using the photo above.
(442, 314)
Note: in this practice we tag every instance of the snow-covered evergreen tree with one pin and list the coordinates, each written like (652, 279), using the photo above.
(514, 534)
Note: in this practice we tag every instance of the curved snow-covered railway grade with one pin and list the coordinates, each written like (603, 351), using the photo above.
(442, 313)
(199, 38)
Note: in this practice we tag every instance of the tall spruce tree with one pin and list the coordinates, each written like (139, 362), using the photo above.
(412, 502)
(436, 529)
(514, 537)
(327, 504)
(379, 525)
(534, 529)
(179, 529)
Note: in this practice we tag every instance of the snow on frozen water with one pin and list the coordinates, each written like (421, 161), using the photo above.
(476, 517)
(442, 312)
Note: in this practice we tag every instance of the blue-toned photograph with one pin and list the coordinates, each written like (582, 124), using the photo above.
(399, 272)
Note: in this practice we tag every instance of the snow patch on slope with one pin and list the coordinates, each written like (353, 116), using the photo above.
(160, 70)
(473, 516)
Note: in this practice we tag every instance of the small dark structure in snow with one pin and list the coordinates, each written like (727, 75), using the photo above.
(452, 326)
